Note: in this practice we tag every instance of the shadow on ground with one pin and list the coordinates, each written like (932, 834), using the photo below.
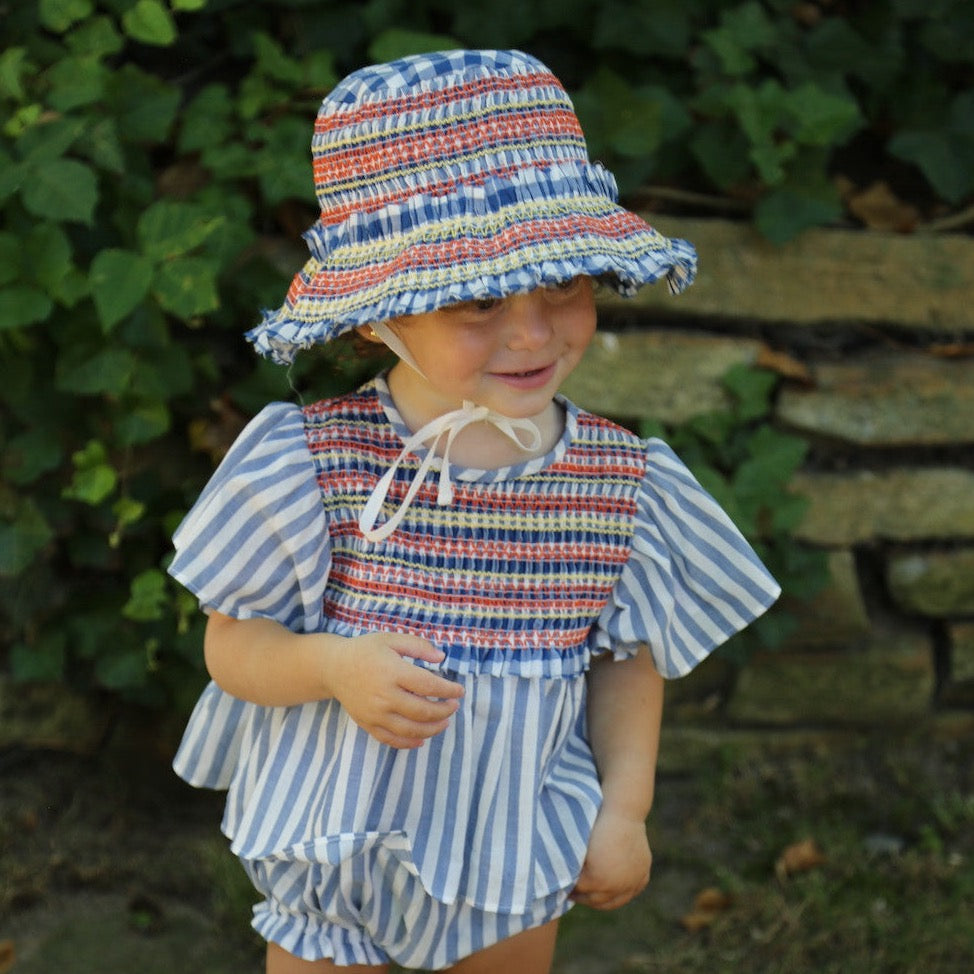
(109, 864)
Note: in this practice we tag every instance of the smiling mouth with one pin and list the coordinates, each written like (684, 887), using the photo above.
(528, 373)
(528, 378)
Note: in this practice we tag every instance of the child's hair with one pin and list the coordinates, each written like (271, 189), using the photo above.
(450, 177)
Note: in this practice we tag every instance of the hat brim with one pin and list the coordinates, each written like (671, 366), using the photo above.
(503, 237)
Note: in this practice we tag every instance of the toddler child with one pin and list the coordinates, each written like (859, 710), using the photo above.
(441, 607)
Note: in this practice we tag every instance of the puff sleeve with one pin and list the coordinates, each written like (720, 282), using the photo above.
(255, 544)
(691, 582)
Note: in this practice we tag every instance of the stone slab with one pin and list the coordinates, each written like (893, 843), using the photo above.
(837, 616)
(897, 505)
(889, 679)
(667, 376)
(939, 584)
(825, 275)
(888, 400)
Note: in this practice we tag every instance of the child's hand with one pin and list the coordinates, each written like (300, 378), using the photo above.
(398, 703)
(617, 863)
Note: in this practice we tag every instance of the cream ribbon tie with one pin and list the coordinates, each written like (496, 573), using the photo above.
(523, 432)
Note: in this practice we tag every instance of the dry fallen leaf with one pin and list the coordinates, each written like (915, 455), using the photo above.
(707, 905)
(8, 956)
(785, 365)
(881, 209)
(952, 350)
(214, 436)
(799, 858)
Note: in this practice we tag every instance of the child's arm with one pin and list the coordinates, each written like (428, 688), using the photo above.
(625, 710)
(265, 663)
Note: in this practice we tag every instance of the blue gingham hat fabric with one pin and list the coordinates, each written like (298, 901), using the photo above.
(451, 177)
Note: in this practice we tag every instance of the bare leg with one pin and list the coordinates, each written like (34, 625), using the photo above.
(530, 952)
(279, 961)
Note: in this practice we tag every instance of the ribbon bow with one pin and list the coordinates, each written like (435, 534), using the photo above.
(429, 435)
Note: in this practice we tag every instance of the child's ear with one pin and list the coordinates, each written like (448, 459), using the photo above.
(368, 333)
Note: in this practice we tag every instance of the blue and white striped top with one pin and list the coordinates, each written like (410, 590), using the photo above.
(606, 543)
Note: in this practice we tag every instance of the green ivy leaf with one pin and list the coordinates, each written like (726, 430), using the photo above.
(274, 63)
(22, 305)
(49, 139)
(618, 118)
(128, 511)
(14, 67)
(788, 512)
(92, 486)
(784, 213)
(43, 661)
(101, 144)
(71, 288)
(61, 189)
(119, 280)
(743, 32)
(752, 389)
(94, 477)
(142, 423)
(31, 454)
(820, 117)
(147, 597)
(96, 37)
(721, 150)
(761, 112)
(170, 229)
(48, 256)
(12, 176)
(121, 669)
(142, 105)
(150, 22)
(22, 538)
(943, 158)
(107, 371)
(285, 171)
(59, 15)
(76, 81)
(207, 120)
(186, 287)
(10, 250)
(781, 450)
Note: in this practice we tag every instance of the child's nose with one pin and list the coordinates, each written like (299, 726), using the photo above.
(530, 325)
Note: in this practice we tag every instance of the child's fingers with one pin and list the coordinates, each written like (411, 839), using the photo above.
(400, 731)
(415, 647)
(424, 684)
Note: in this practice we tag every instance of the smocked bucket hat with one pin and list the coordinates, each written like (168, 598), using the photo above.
(451, 177)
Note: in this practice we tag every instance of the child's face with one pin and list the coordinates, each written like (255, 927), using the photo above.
(508, 354)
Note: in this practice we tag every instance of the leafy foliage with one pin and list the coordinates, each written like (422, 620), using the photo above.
(747, 465)
(155, 175)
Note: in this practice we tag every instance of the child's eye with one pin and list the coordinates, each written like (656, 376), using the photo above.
(476, 306)
(568, 287)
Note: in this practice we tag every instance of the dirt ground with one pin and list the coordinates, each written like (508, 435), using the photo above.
(109, 864)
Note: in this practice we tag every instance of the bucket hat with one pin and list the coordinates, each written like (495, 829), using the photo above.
(451, 177)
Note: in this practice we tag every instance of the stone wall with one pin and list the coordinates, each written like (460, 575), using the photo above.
(874, 336)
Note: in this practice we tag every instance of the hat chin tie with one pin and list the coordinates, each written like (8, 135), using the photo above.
(522, 432)
(394, 342)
